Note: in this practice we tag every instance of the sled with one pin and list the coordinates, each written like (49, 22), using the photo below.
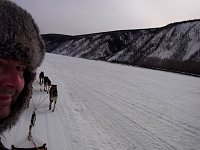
(35, 147)
(43, 147)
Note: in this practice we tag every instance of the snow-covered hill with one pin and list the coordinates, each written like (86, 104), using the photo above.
(176, 41)
(104, 106)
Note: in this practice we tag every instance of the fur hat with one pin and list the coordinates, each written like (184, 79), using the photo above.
(20, 40)
(19, 35)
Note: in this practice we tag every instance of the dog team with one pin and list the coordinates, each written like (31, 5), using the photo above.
(49, 88)
(53, 95)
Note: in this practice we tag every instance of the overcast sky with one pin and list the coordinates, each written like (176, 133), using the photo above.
(74, 17)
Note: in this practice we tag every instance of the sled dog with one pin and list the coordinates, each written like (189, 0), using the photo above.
(47, 84)
(53, 95)
(41, 77)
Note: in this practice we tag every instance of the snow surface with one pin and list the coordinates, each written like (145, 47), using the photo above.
(104, 106)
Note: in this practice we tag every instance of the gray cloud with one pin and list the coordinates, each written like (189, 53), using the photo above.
(73, 17)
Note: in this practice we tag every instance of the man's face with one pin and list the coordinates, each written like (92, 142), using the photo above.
(11, 84)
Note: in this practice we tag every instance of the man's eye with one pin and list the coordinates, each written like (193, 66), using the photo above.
(2, 65)
(21, 68)
(2, 62)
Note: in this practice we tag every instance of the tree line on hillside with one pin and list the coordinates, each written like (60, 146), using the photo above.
(185, 67)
